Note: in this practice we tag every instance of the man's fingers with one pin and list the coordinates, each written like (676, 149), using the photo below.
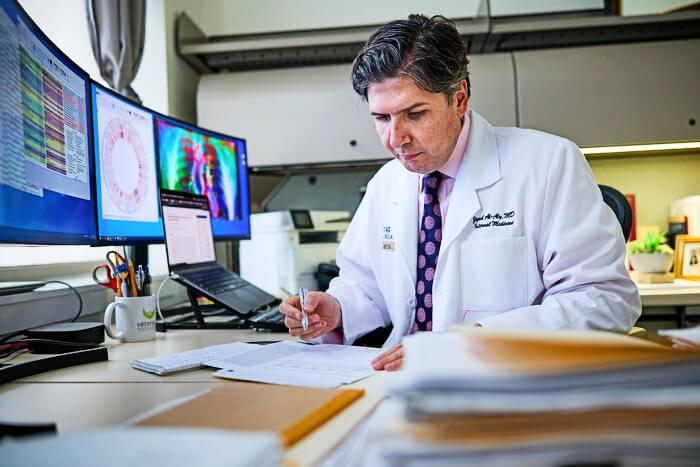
(393, 354)
(310, 333)
(396, 348)
(292, 323)
(684, 342)
(314, 331)
(395, 365)
(684, 346)
(312, 299)
(291, 309)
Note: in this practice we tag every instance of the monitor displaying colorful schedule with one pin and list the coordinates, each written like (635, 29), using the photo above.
(206, 163)
(45, 148)
(126, 175)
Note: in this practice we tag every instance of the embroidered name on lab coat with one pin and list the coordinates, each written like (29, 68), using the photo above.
(499, 219)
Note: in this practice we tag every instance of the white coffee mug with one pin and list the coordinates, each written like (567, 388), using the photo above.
(135, 318)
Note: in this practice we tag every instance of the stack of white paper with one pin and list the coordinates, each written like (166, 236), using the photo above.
(189, 360)
(135, 447)
(496, 398)
(298, 364)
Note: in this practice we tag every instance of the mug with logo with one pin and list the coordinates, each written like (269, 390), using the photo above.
(135, 318)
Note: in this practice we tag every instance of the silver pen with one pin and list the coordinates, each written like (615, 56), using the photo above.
(304, 316)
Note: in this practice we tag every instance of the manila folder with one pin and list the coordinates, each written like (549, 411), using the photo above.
(291, 411)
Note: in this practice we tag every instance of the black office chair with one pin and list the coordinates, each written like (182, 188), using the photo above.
(376, 338)
(620, 206)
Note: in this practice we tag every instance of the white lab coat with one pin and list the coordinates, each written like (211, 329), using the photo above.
(528, 243)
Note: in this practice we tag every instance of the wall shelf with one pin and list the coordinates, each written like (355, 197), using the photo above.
(214, 54)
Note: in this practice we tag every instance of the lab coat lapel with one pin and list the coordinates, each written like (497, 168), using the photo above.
(480, 168)
(403, 217)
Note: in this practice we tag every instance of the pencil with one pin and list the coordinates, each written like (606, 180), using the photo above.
(133, 280)
(119, 279)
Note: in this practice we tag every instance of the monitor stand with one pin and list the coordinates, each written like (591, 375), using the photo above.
(138, 254)
(201, 319)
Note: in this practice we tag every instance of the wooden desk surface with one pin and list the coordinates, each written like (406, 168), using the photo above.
(118, 369)
(111, 393)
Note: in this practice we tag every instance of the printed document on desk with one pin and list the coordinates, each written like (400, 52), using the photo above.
(192, 359)
(297, 364)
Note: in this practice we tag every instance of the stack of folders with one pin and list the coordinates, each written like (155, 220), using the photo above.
(479, 397)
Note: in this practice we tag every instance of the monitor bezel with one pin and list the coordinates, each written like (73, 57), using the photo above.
(215, 134)
(53, 238)
(138, 241)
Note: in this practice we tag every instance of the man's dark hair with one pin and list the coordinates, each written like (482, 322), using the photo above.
(430, 51)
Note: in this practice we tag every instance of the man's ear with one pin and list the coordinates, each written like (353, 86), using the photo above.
(461, 98)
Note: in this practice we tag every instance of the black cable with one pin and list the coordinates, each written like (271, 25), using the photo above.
(11, 351)
(7, 353)
(14, 334)
(18, 333)
(58, 342)
(77, 294)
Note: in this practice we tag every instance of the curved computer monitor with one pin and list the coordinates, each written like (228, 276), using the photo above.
(46, 194)
(126, 174)
(203, 162)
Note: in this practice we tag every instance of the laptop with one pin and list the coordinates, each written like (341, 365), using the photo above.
(189, 243)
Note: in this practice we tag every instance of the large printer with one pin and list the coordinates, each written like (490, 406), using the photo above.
(286, 248)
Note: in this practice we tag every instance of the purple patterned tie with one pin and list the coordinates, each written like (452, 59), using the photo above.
(428, 249)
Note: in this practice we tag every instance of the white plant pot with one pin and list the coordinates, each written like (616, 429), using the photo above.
(651, 262)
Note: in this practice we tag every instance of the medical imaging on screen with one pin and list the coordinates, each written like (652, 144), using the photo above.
(201, 164)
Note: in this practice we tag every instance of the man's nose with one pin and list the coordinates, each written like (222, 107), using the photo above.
(398, 135)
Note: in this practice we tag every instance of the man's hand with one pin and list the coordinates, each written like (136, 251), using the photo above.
(684, 344)
(391, 360)
(323, 311)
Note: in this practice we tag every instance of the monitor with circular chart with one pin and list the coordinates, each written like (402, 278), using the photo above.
(125, 171)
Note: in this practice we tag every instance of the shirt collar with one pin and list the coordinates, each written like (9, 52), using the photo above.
(451, 167)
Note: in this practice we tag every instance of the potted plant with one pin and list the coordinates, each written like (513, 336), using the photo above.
(652, 254)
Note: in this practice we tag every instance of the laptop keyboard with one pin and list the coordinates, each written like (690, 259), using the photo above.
(273, 316)
(273, 320)
(216, 281)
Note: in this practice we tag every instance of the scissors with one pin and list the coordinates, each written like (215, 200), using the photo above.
(110, 281)
(118, 258)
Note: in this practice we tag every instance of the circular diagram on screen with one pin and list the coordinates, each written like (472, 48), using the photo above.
(124, 166)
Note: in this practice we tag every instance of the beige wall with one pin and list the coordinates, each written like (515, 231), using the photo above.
(654, 180)
(182, 79)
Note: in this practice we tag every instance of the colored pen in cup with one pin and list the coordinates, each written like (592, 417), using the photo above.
(304, 316)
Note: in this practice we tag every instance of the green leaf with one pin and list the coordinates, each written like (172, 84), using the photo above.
(651, 243)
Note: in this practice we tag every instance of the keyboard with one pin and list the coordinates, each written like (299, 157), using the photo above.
(272, 320)
(216, 281)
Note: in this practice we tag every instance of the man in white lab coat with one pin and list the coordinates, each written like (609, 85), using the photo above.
(492, 227)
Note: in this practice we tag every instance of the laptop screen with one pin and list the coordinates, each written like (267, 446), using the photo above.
(187, 223)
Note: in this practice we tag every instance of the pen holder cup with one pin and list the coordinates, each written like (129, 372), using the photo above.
(135, 318)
